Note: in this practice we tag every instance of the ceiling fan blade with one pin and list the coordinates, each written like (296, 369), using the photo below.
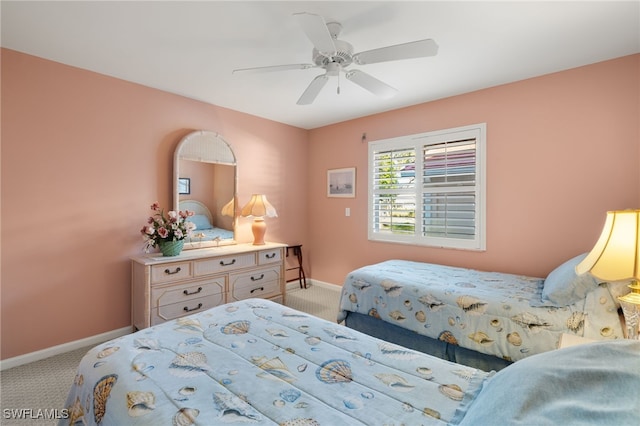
(414, 49)
(274, 68)
(316, 30)
(371, 84)
(312, 91)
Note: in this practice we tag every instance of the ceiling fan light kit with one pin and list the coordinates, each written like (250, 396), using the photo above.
(334, 56)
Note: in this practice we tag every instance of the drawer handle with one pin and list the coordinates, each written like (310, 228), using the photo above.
(257, 289)
(193, 309)
(168, 272)
(186, 292)
(227, 264)
(257, 279)
(270, 256)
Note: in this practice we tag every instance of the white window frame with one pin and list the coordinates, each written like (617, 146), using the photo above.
(417, 142)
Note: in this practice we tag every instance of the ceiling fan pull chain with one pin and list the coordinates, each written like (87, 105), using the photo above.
(338, 90)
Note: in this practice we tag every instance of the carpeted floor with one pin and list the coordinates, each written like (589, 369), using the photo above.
(43, 385)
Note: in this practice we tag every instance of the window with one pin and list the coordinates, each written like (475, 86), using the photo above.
(429, 189)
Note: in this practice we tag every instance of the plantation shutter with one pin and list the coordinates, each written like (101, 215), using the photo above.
(394, 190)
(449, 189)
(429, 189)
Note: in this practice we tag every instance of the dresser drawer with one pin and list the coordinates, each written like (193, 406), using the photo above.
(170, 272)
(269, 256)
(223, 264)
(168, 295)
(168, 312)
(263, 282)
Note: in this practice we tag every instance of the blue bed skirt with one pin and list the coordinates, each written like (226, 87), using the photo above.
(401, 336)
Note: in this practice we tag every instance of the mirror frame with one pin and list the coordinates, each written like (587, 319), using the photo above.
(206, 136)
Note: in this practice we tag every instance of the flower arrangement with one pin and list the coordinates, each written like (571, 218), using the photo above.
(160, 228)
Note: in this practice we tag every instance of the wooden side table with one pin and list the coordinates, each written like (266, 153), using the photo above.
(297, 252)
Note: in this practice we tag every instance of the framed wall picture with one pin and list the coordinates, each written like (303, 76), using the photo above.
(184, 186)
(341, 182)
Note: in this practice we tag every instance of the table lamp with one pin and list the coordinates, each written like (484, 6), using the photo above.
(259, 208)
(615, 257)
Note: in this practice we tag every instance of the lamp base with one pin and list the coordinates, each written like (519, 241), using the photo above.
(630, 304)
(259, 228)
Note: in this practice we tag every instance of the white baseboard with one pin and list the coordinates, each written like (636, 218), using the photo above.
(100, 338)
(293, 285)
(5, 364)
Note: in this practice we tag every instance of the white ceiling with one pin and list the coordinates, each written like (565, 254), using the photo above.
(191, 48)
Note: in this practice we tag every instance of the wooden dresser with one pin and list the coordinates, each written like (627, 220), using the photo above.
(165, 288)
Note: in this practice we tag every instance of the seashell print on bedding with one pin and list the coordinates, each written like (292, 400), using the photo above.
(236, 327)
(530, 322)
(76, 412)
(274, 369)
(373, 312)
(361, 285)
(391, 288)
(189, 364)
(396, 352)
(189, 325)
(448, 337)
(481, 338)
(472, 305)
(575, 322)
(300, 422)
(147, 344)
(339, 334)
(430, 412)
(294, 316)
(290, 395)
(395, 381)
(514, 338)
(277, 332)
(101, 392)
(431, 302)
(397, 316)
(108, 351)
(185, 417)
(232, 408)
(452, 391)
(335, 371)
(140, 403)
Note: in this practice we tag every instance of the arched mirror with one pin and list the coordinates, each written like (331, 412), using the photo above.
(204, 168)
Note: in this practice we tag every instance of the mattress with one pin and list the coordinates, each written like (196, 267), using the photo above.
(487, 312)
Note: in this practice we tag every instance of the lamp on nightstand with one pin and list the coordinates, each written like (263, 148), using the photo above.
(615, 257)
(259, 208)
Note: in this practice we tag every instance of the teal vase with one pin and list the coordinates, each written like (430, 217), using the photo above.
(171, 248)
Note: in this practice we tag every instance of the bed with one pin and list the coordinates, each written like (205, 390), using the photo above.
(483, 319)
(203, 219)
(258, 362)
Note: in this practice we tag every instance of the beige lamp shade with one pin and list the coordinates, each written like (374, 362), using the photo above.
(616, 255)
(229, 209)
(258, 206)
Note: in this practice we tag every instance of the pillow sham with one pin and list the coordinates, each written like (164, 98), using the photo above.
(563, 287)
(201, 221)
(590, 384)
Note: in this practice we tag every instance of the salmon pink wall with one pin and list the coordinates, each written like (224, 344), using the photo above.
(83, 157)
(562, 149)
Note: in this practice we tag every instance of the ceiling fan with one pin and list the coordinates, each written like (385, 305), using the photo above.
(334, 56)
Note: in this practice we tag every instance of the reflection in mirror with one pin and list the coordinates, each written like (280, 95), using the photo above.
(209, 163)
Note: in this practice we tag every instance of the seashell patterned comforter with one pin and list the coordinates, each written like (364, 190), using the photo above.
(487, 312)
(258, 362)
